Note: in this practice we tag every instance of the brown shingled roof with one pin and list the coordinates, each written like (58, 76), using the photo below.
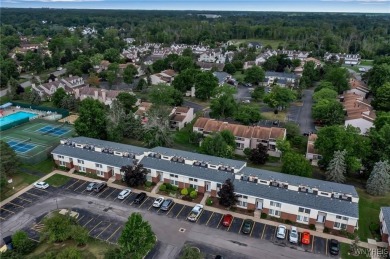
(182, 109)
(261, 132)
(277, 133)
(201, 122)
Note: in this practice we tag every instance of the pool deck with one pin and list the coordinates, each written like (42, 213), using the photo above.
(13, 109)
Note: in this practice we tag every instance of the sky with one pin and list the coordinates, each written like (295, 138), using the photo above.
(361, 6)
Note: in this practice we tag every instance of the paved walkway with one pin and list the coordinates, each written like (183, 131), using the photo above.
(213, 209)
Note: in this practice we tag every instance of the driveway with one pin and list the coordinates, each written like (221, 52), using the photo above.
(302, 114)
(197, 107)
(242, 93)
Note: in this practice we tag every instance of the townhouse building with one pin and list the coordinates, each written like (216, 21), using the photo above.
(69, 84)
(164, 77)
(384, 220)
(245, 136)
(299, 199)
(102, 95)
(295, 54)
(347, 59)
(280, 78)
(311, 153)
(180, 116)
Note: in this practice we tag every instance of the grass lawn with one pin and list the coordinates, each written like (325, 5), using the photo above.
(281, 116)
(366, 62)
(274, 43)
(45, 166)
(57, 180)
(197, 101)
(19, 181)
(181, 138)
(345, 251)
(4, 99)
(239, 76)
(93, 249)
(369, 207)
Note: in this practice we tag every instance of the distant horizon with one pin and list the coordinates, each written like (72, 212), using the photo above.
(300, 6)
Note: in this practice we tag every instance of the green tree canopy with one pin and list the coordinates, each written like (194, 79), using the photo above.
(163, 94)
(254, 75)
(223, 105)
(325, 94)
(129, 73)
(185, 80)
(112, 55)
(220, 144)
(338, 76)
(296, 164)
(92, 119)
(157, 129)
(183, 63)
(382, 98)
(324, 84)
(279, 98)
(9, 163)
(127, 100)
(378, 76)
(247, 114)
(205, 84)
(58, 96)
(328, 112)
(258, 93)
(229, 68)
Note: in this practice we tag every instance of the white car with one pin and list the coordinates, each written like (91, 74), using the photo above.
(41, 185)
(281, 232)
(123, 194)
(158, 202)
(293, 237)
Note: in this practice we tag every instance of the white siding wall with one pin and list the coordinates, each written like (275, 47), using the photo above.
(362, 124)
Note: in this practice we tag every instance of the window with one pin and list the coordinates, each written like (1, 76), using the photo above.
(61, 157)
(80, 161)
(302, 218)
(301, 209)
(82, 169)
(338, 217)
(324, 193)
(242, 203)
(99, 166)
(345, 218)
(219, 185)
(340, 225)
(275, 213)
(212, 166)
(194, 186)
(174, 175)
(165, 157)
(275, 204)
(62, 163)
(174, 182)
(100, 173)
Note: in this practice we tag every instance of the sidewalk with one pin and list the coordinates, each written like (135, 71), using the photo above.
(191, 204)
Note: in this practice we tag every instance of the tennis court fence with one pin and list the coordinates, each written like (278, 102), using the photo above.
(63, 112)
(14, 123)
(38, 157)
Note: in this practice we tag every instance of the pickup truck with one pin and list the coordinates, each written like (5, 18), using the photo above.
(195, 212)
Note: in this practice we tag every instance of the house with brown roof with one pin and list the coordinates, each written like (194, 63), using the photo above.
(358, 87)
(104, 96)
(245, 136)
(164, 77)
(311, 153)
(180, 116)
(359, 112)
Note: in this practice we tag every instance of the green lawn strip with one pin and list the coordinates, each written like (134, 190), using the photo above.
(239, 76)
(57, 180)
(19, 181)
(369, 207)
(45, 166)
(366, 62)
(345, 253)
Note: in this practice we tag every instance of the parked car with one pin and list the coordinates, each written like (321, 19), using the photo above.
(90, 186)
(293, 237)
(100, 186)
(305, 238)
(247, 226)
(334, 247)
(227, 220)
(195, 213)
(41, 185)
(281, 232)
(158, 202)
(123, 194)
(140, 197)
(167, 204)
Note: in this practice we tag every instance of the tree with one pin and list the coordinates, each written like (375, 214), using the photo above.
(337, 168)
(378, 184)
(58, 96)
(22, 243)
(185, 80)
(112, 55)
(96, 59)
(220, 144)
(127, 100)
(56, 228)
(133, 127)
(325, 94)
(92, 119)
(183, 63)
(134, 175)
(378, 76)
(163, 94)
(247, 114)
(354, 247)
(309, 75)
(70, 103)
(141, 84)
(329, 112)
(258, 94)
(227, 196)
(382, 98)
(35, 98)
(259, 155)
(187, 52)
(254, 75)
(157, 130)
(324, 85)
(93, 80)
(137, 237)
(69, 253)
(115, 119)
(338, 76)
(229, 68)
(9, 163)
(205, 84)
(129, 73)
(224, 105)
(79, 234)
(296, 164)
(189, 252)
(279, 98)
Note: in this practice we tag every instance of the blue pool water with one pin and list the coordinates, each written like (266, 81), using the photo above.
(15, 116)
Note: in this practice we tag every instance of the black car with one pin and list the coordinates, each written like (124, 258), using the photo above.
(167, 204)
(334, 247)
(140, 197)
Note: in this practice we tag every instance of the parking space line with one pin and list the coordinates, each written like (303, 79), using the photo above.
(80, 218)
(124, 198)
(2, 218)
(209, 219)
(114, 233)
(103, 231)
(111, 193)
(180, 211)
(41, 190)
(8, 210)
(170, 208)
(87, 222)
(79, 186)
(72, 184)
(229, 225)
(219, 223)
(312, 245)
(198, 217)
(24, 199)
(143, 202)
(15, 204)
(326, 246)
(33, 194)
(102, 192)
(94, 227)
(273, 237)
(251, 229)
(33, 239)
(150, 206)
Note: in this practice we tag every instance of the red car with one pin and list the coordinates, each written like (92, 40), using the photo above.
(227, 220)
(305, 238)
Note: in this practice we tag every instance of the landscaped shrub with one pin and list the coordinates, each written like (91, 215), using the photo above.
(263, 215)
(193, 194)
(287, 221)
(174, 188)
(326, 230)
(163, 188)
(69, 252)
(22, 243)
(190, 189)
(209, 202)
(79, 234)
(184, 191)
(148, 183)
(169, 186)
(312, 227)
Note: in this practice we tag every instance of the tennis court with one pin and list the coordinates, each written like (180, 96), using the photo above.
(34, 140)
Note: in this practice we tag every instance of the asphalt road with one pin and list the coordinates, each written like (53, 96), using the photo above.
(197, 107)
(166, 228)
(302, 114)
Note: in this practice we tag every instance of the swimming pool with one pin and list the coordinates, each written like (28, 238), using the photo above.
(15, 117)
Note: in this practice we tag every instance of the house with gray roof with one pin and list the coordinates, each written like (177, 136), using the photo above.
(384, 219)
(280, 78)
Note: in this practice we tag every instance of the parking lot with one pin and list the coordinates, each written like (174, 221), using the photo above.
(211, 219)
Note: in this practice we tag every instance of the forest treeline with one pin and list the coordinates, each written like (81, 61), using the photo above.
(366, 34)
